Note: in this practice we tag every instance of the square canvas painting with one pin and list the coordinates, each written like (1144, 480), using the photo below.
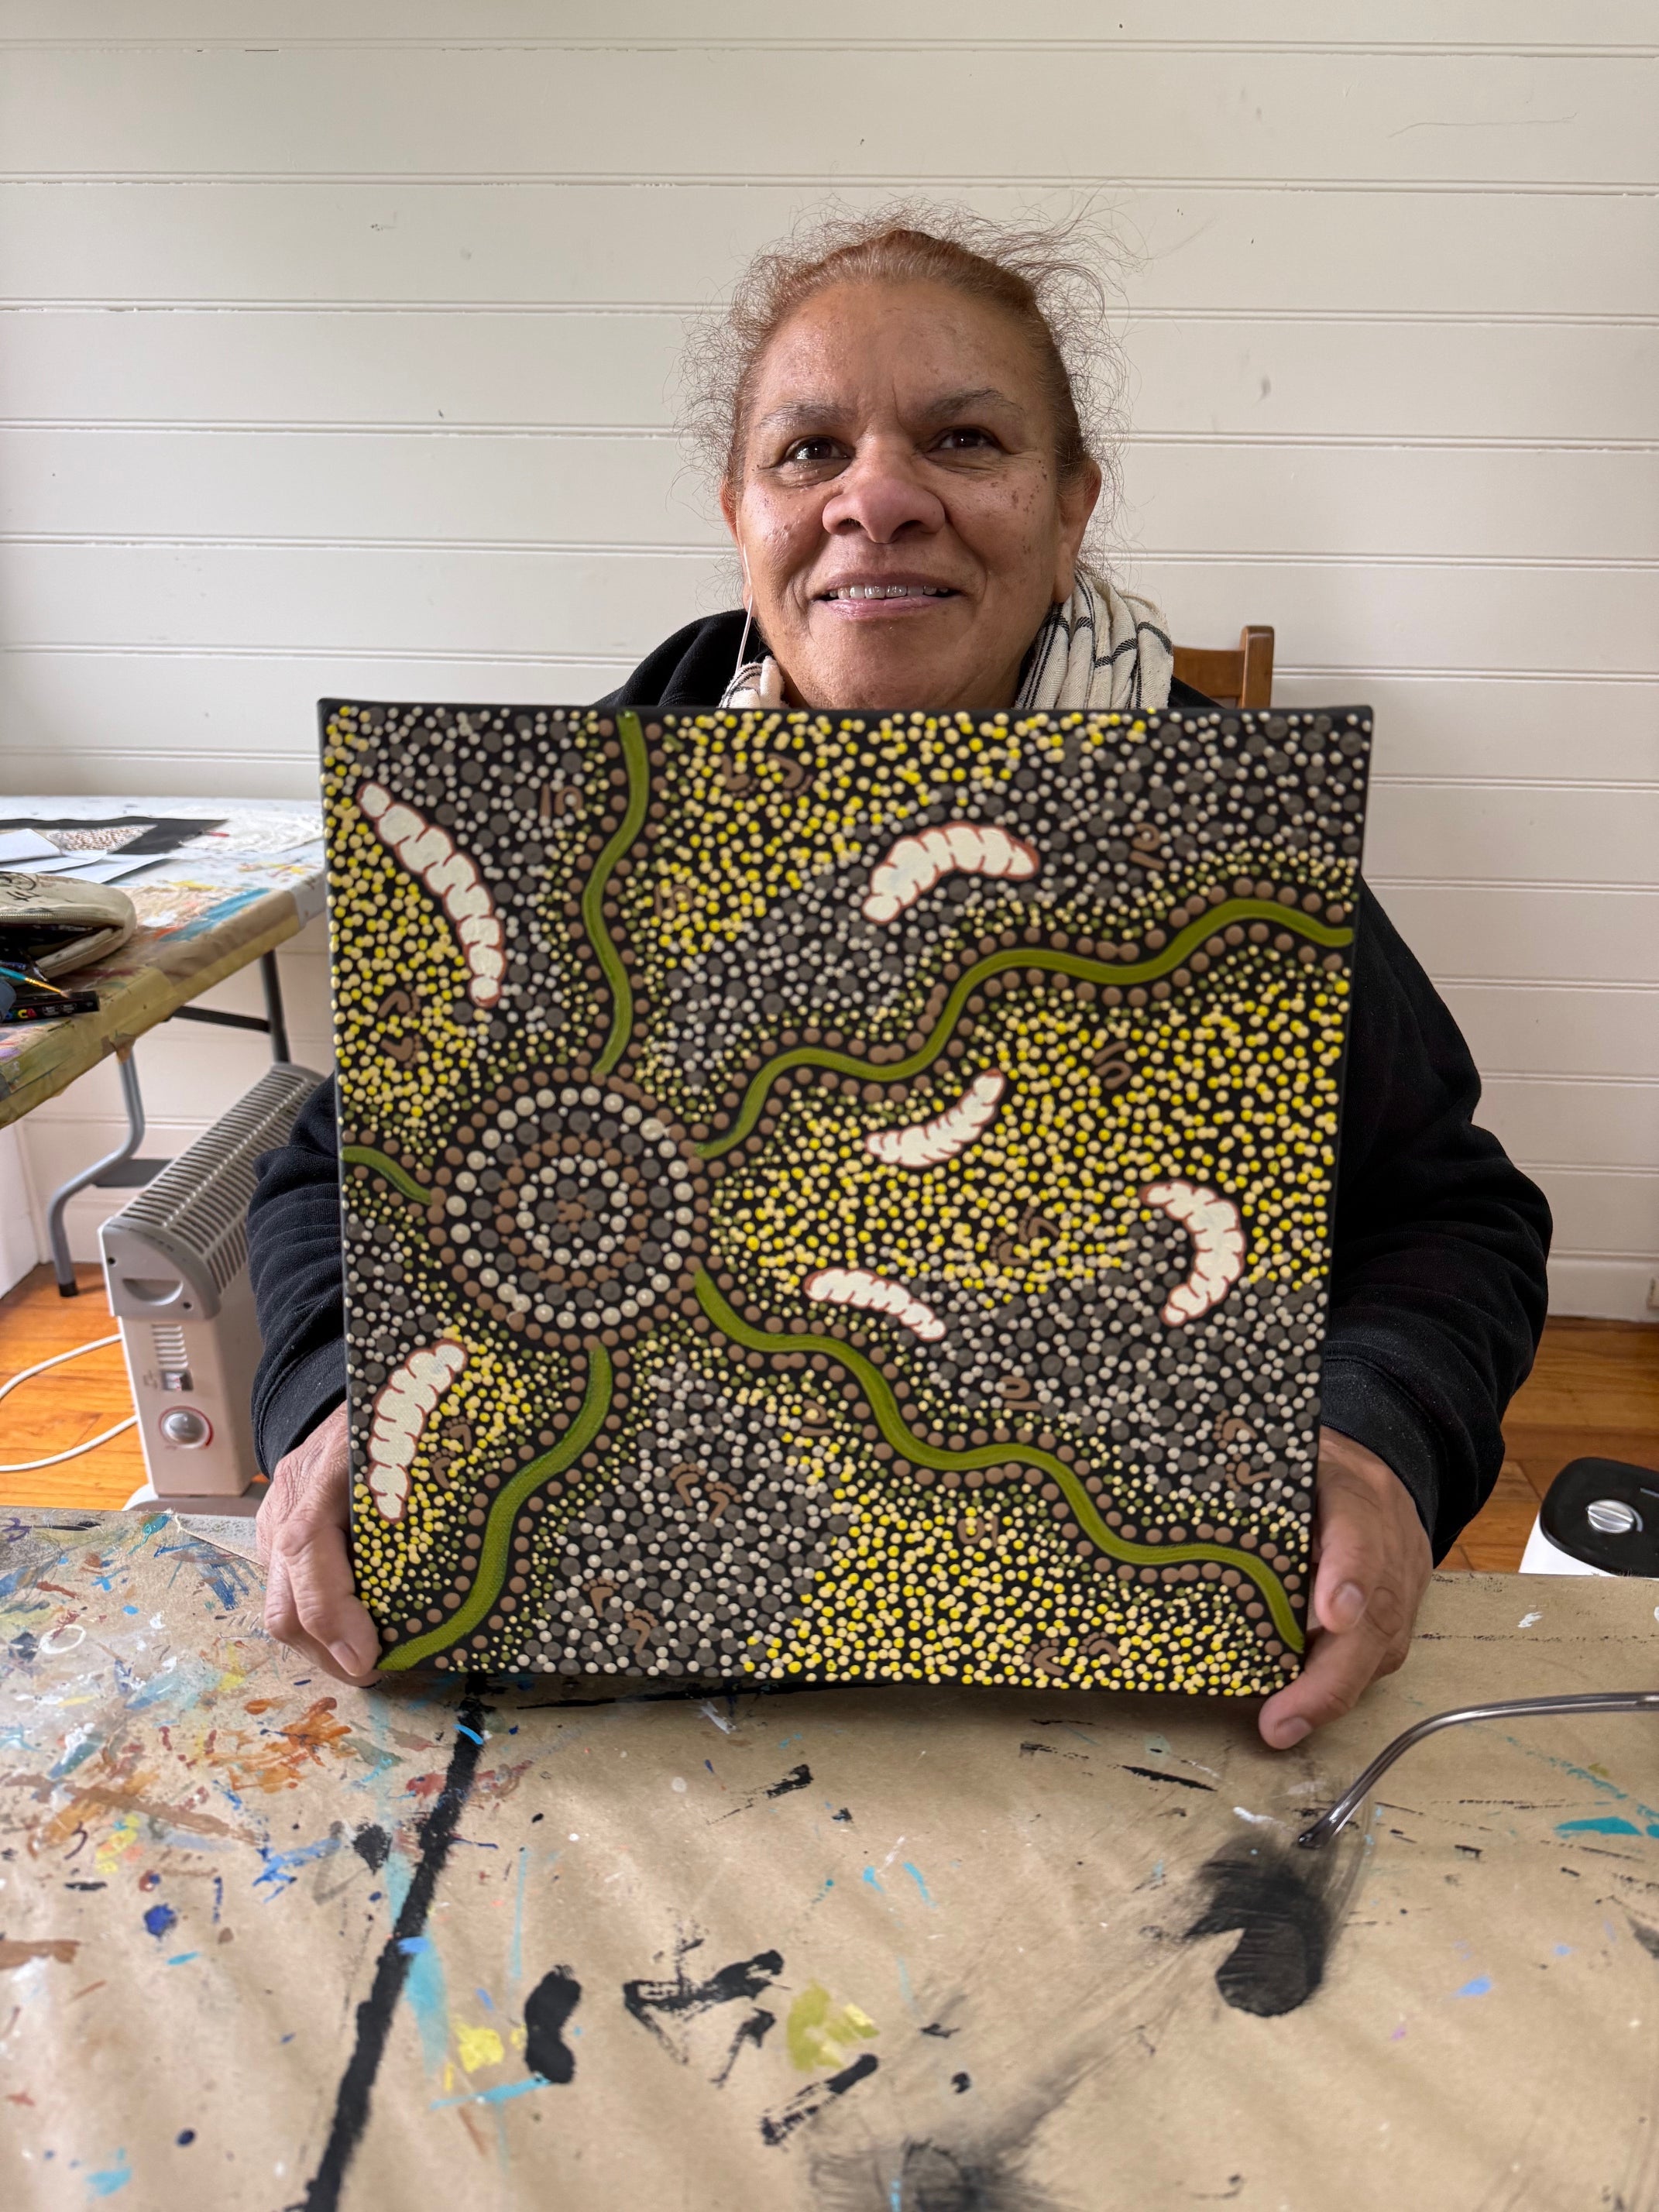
(840, 1198)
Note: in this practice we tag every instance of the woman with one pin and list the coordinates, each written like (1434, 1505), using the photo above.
(908, 484)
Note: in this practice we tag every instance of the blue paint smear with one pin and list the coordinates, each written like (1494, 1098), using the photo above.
(423, 1985)
(870, 1876)
(113, 2178)
(1479, 1987)
(183, 1958)
(277, 1864)
(515, 1956)
(130, 1608)
(914, 1874)
(71, 1760)
(159, 1919)
(1609, 1824)
(494, 2096)
(461, 1728)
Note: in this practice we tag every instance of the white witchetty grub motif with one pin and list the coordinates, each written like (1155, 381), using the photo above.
(914, 865)
(453, 881)
(405, 1404)
(857, 1286)
(925, 1144)
(1218, 1234)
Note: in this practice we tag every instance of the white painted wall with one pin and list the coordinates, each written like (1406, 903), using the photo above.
(338, 355)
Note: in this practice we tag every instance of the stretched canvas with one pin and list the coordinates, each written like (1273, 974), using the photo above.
(840, 1198)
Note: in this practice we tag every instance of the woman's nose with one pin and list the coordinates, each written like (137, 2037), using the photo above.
(880, 494)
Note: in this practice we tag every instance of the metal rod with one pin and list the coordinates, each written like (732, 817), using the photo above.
(221, 1021)
(274, 1014)
(1510, 1708)
(56, 1235)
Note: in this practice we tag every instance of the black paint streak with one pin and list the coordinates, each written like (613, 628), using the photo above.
(1284, 1931)
(961, 2083)
(1030, 1750)
(798, 1778)
(437, 1834)
(937, 2027)
(1647, 1937)
(546, 2009)
(777, 2127)
(682, 1999)
(372, 1846)
(754, 2030)
(845, 1814)
(1181, 1782)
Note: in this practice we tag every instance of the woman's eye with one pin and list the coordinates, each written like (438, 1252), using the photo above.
(964, 440)
(812, 449)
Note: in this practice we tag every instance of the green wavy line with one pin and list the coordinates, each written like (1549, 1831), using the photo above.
(492, 1553)
(884, 1407)
(365, 1156)
(638, 765)
(1019, 956)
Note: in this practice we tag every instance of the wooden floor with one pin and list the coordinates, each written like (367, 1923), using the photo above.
(1594, 1391)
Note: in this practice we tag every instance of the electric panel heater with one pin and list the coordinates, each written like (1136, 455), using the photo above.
(175, 1262)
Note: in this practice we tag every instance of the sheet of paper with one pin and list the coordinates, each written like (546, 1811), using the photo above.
(26, 848)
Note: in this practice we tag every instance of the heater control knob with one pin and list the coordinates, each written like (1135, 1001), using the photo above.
(185, 1425)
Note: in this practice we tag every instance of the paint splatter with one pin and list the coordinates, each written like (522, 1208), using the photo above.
(666, 2008)
(546, 2011)
(116, 2175)
(1479, 1987)
(777, 2127)
(821, 2033)
(1283, 1926)
(159, 1919)
(478, 2047)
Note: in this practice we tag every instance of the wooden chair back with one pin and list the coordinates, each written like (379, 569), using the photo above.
(1244, 678)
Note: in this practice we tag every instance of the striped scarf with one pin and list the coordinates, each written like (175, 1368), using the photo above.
(1102, 649)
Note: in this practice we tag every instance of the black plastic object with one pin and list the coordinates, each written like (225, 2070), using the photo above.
(1606, 1512)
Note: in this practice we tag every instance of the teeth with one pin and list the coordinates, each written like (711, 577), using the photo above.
(891, 591)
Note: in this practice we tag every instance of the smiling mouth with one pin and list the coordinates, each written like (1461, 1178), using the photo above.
(890, 591)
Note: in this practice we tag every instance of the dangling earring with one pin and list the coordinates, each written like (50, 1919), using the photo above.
(767, 689)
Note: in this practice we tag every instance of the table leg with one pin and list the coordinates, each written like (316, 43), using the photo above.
(276, 1020)
(56, 1235)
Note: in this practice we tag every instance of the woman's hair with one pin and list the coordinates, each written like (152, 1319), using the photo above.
(1056, 283)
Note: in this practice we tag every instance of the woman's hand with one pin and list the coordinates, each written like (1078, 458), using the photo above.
(310, 1601)
(1373, 1565)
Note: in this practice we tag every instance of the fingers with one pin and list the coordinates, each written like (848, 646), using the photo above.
(1374, 1565)
(320, 1600)
(310, 1601)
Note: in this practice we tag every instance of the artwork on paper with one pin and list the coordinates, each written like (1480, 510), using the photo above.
(837, 1198)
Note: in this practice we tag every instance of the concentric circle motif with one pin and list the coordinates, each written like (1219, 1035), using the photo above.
(569, 1207)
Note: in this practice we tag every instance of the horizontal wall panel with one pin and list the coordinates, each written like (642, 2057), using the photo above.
(1222, 379)
(1605, 1125)
(504, 489)
(1251, 251)
(1601, 1211)
(400, 599)
(1495, 725)
(1557, 1028)
(612, 112)
(511, 489)
(1514, 934)
(142, 721)
(1339, 25)
(1485, 832)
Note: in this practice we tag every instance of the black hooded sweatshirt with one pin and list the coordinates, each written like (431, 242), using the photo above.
(1437, 1283)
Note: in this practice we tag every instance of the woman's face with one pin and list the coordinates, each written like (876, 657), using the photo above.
(899, 513)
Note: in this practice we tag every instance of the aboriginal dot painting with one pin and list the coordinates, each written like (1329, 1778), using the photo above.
(837, 1198)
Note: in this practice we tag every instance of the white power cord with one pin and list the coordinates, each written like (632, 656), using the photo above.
(28, 1465)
